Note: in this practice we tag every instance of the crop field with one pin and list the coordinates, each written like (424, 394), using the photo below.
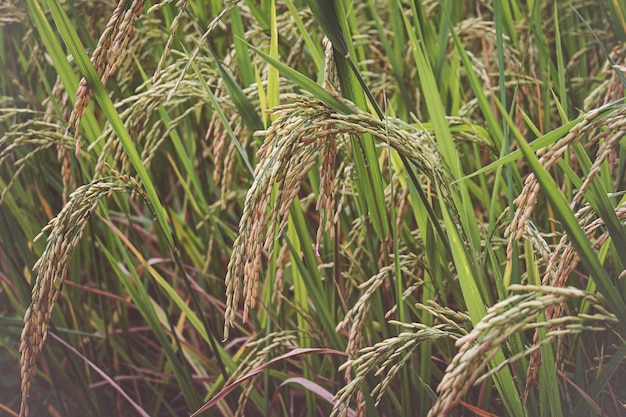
(312, 208)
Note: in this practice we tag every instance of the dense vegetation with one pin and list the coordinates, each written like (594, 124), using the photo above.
(312, 208)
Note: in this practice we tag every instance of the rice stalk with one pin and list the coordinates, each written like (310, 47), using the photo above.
(292, 144)
(108, 55)
(140, 119)
(385, 358)
(33, 136)
(173, 30)
(65, 230)
(214, 23)
(11, 12)
(515, 314)
(355, 318)
(562, 262)
(259, 352)
(594, 125)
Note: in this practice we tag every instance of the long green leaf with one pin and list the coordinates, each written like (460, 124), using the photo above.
(305, 83)
(240, 100)
(326, 15)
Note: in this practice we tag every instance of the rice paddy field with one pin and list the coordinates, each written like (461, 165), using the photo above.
(312, 208)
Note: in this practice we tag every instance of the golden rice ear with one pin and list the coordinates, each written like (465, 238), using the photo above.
(303, 130)
(65, 230)
(107, 57)
(29, 139)
(607, 128)
(516, 314)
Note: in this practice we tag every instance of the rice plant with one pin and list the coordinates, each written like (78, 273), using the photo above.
(312, 208)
